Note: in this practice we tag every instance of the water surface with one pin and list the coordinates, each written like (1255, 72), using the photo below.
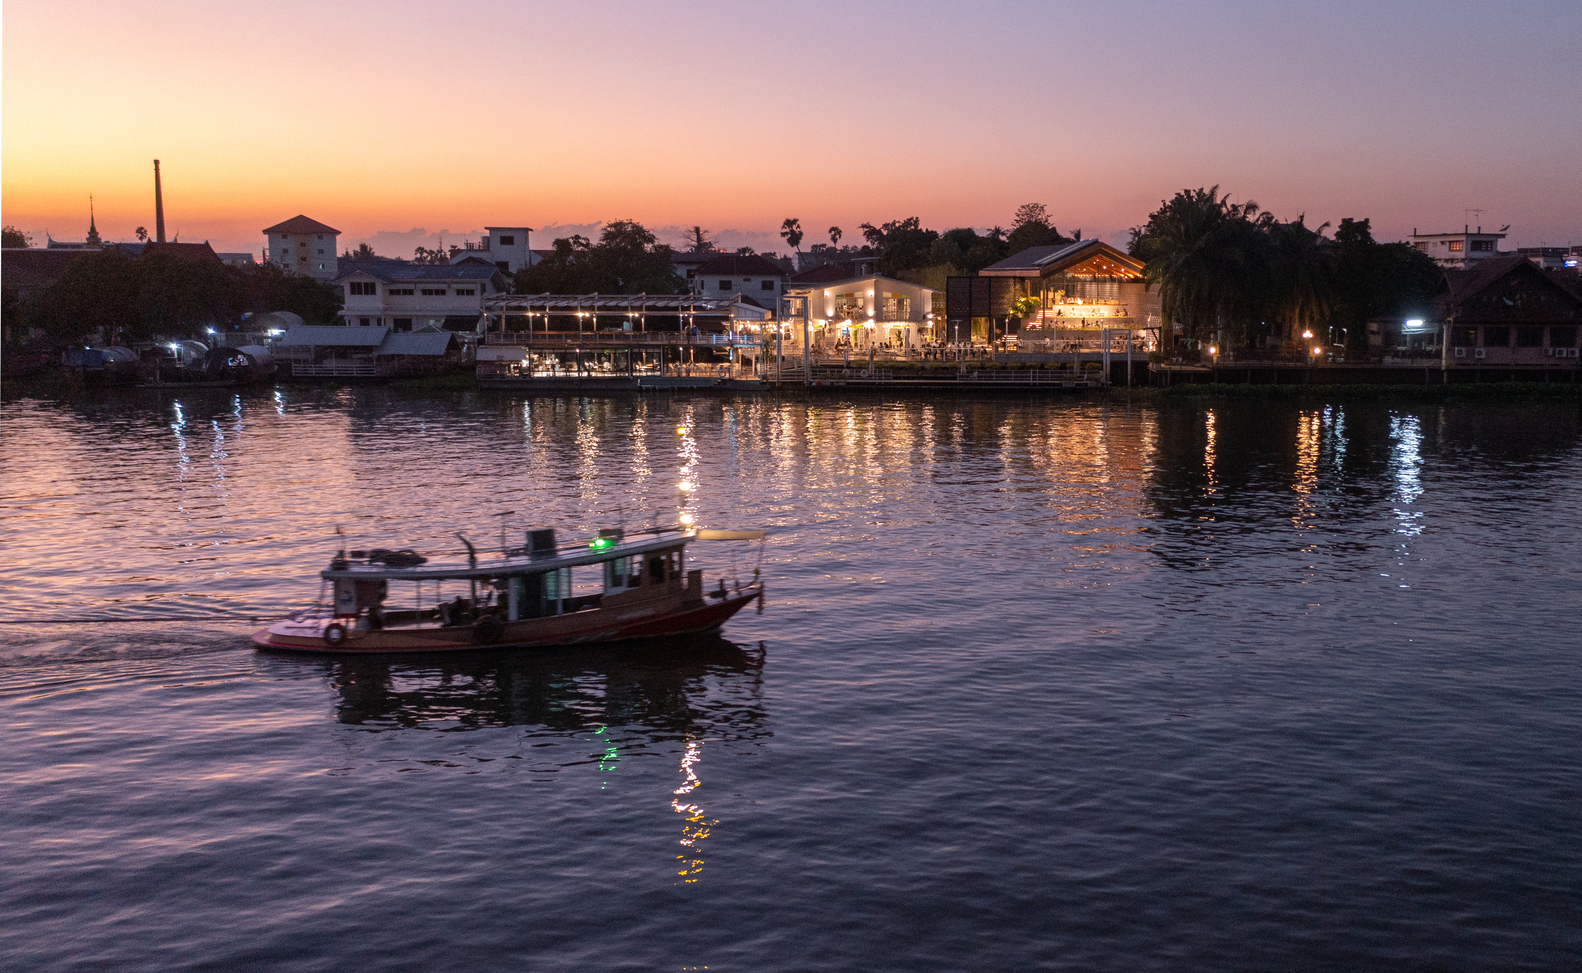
(1047, 684)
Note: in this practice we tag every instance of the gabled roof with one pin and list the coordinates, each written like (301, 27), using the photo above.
(1462, 283)
(182, 251)
(1106, 261)
(740, 265)
(301, 224)
(1465, 285)
(322, 336)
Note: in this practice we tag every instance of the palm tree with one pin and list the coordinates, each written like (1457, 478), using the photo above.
(791, 229)
(1209, 258)
(834, 236)
(1303, 279)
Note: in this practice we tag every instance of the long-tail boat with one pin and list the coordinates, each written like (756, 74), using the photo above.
(615, 587)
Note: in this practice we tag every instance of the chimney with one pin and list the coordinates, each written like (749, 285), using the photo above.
(159, 208)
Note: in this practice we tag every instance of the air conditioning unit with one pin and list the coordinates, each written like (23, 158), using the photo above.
(1571, 352)
(1477, 352)
(1550, 352)
(1461, 353)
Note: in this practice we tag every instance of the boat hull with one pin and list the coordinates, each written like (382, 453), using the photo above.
(594, 626)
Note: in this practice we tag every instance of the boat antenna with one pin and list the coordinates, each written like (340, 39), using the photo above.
(472, 553)
(502, 515)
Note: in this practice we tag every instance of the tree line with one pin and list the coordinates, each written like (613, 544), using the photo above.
(1234, 270)
(159, 294)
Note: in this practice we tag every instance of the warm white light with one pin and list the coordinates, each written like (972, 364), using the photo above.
(1307, 334)
(686, 519)
(1213, 349)
(1317, 350)
(684, 486)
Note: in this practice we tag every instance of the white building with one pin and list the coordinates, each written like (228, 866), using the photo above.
(746, 274)
(410, 297)
(303, 246)
(504, 246)
(1459, 250)
(860, 310)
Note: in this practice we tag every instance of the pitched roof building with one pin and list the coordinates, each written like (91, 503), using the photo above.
(1503, 311)
(303, 246)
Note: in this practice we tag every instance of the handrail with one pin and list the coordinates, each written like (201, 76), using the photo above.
(619, 339)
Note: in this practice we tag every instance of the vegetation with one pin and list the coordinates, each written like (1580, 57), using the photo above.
(791, 230)
(1233, 269)
(162, 295)
(14, 239)
(628, 259)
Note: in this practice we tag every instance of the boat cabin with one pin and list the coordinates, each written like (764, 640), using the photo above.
(537, 581)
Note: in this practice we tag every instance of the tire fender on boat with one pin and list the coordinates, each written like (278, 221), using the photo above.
(335, 633)
(488, 630)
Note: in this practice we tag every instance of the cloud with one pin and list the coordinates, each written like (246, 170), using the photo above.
(398, 243)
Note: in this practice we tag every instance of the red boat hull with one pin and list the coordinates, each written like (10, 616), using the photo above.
(602, 625)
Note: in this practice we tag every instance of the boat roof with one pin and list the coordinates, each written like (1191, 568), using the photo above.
(593, 552)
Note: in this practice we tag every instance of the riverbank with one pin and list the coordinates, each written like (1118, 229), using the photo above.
(1458, 392)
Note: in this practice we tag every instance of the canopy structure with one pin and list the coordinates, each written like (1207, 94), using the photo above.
(630, 310)
(730, 535)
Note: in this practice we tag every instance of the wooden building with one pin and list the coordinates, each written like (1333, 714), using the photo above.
(1504, 312)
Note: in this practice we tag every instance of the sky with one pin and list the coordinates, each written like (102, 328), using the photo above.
(400, 122)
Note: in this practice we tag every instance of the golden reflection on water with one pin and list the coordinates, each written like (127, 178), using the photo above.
(696, 825)
(1210, 447)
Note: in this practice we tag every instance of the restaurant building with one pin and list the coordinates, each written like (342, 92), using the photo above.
(1068, 297)
(857, 312)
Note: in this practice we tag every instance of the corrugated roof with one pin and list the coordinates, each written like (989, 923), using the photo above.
(391, 271)
(740, 265)
(332, 336)
(1042, 261)
(301, 224)
(429, 344)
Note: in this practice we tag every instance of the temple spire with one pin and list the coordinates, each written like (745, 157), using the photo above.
(93, 231)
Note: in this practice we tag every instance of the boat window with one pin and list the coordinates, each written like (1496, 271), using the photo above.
(656, 569)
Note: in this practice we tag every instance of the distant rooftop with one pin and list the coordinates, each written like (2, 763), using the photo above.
(301, 224)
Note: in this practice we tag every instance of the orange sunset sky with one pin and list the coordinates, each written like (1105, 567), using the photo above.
(397, 121)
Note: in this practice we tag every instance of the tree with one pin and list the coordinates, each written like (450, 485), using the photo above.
(14, 239)
(1208, 257)
(626, 260)
(902, 245)
(1030, 227)
(834, 236)
(423, 255)
(1030, 213)
(142, 234)
(699, 241)
(791, 230)
(1374, 280)
(1301, 282)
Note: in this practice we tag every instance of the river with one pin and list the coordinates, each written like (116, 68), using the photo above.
(1057, 684)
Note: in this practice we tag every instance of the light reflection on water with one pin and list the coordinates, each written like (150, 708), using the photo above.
(1028, 672)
